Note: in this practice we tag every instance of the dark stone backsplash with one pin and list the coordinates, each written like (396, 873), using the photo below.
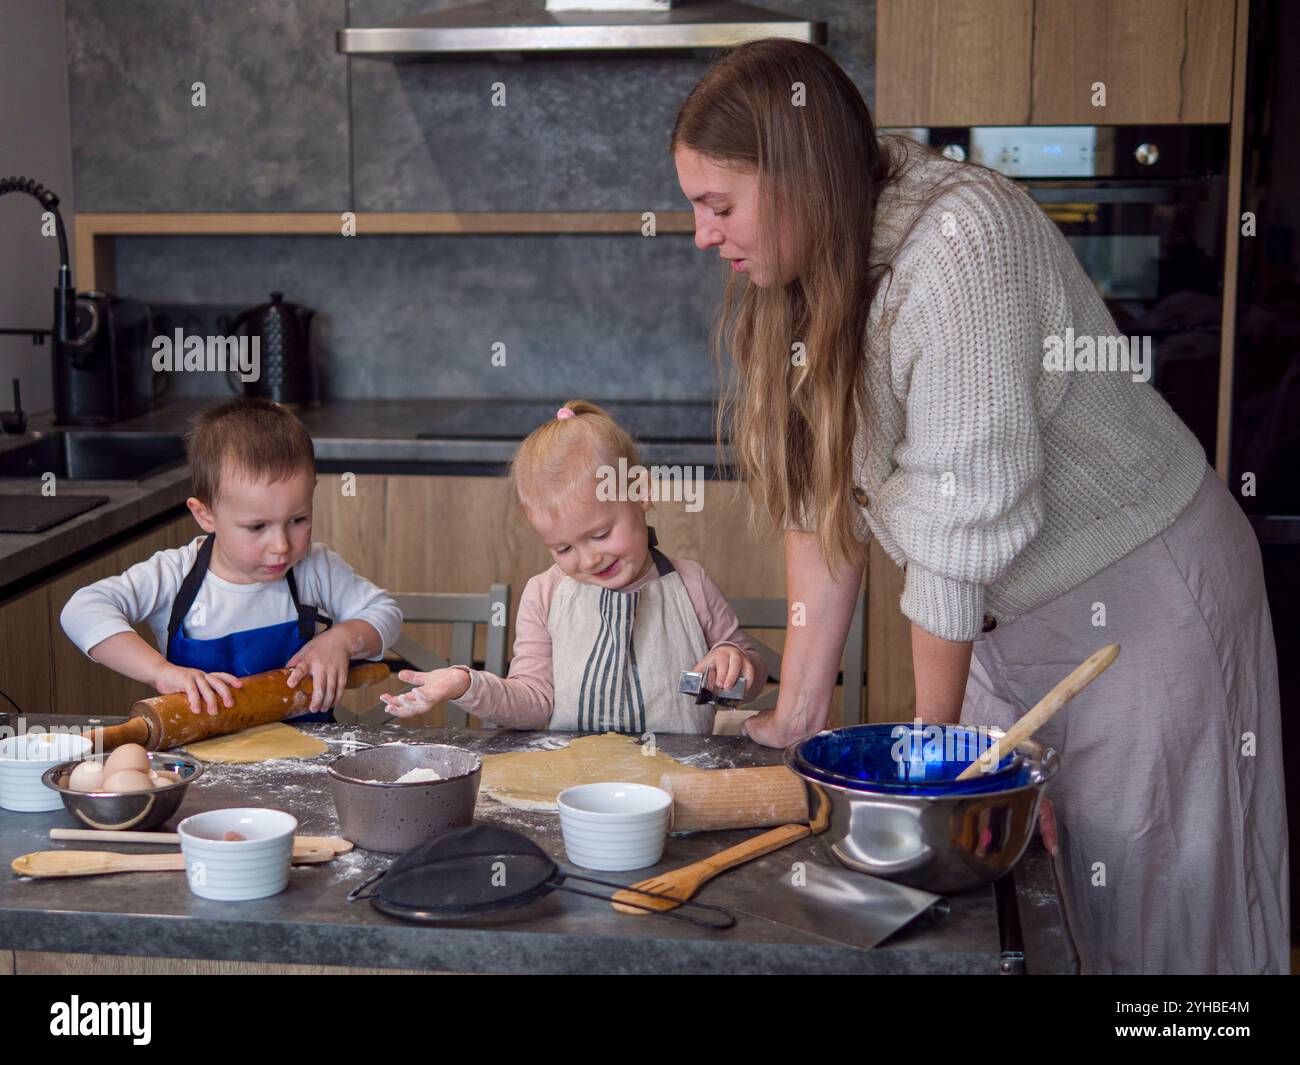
(290, 125)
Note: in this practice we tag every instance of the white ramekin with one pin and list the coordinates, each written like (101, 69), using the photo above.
(234, 870)
(22, 761)
(613, 826)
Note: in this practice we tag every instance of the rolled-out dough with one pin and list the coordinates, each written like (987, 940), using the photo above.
(530, 780)
(260, 743)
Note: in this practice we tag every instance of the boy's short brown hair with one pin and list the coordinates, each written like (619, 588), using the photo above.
(254, 436)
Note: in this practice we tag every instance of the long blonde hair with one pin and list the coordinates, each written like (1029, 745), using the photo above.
(820, 170)
(560, 460)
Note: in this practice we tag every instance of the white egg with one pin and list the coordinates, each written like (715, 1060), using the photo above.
(87, 776)
(128, 756)
(125, 780)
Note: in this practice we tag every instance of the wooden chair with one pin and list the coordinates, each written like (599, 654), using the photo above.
(773, 613)
(463, 612)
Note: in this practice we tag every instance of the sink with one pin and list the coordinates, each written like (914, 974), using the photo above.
(94, 456)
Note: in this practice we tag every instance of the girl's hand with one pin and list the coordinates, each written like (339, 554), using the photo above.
(432, 688)
(203, 689)
(325, 658)
(729, 663)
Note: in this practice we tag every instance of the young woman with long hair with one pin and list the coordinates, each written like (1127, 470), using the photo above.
(892, 326)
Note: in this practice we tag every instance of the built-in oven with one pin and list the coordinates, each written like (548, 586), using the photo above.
(1143, 209)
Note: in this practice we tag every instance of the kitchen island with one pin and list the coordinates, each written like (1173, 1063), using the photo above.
(143, 917)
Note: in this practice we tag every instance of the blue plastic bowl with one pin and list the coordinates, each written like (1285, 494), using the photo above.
(904, 759)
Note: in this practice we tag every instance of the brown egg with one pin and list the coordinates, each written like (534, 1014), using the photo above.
(87, 776)
(125, 780)
(166, 776)
(128, 756)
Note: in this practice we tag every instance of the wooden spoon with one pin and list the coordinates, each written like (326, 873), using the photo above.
(681, 884)
(1089, 670)
(94, 863)
(337, 844)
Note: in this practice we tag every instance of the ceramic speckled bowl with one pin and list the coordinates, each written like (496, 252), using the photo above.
(379, 815)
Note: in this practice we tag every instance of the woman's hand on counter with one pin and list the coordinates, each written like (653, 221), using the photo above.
(432, 688)
(821, 609)
(770, 730)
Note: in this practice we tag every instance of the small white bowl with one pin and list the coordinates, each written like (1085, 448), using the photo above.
(238, 869)
(614, 827)
(22, 761)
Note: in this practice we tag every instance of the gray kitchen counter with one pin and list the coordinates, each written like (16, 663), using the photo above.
(363, 436)
(311, 922)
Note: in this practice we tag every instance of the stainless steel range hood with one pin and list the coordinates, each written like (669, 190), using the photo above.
(526, 26)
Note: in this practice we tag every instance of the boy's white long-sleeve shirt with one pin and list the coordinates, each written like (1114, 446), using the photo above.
(146, 591)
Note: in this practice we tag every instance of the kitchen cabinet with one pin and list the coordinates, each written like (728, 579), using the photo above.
(955, 63)
(1162, 61)
(77, 684)
(25, 667)
(459, 534)
(1018, 62)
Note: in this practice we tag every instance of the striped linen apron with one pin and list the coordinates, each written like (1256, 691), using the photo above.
(618, 656)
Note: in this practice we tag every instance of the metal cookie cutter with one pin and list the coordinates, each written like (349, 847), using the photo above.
(700, 687)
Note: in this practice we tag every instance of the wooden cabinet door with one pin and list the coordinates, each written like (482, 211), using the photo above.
(1161, 61)
(25, 652)
(79, 685)
(953, 62)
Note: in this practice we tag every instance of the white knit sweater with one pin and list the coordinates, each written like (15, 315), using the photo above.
(1000, 484)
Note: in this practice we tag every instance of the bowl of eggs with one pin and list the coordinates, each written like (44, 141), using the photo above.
(129, 788)
(23, 762)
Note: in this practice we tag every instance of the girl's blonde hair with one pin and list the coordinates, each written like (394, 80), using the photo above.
(820, 170)
(560, 461)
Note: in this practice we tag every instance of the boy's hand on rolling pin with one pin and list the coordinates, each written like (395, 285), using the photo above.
(432, 688)
(325, 659)
(729, 664)
(204, 690)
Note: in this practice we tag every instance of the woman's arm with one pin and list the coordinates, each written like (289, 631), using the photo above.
(821, 608)
(940, 667)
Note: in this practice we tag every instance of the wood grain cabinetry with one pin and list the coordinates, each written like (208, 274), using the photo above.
(25, 652)
(42, 670)
(460, 534)
(1017, 62)
(439, 534)
(953, 62)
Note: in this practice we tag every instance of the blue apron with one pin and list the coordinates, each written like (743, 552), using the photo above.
(240, 653)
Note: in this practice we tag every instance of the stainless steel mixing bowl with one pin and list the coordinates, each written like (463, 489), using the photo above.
(136, 810)
(938, 843)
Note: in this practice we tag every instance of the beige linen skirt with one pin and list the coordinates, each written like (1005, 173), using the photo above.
(1170, 809)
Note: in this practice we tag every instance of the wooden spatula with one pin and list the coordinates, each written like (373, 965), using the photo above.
(337, 844)
(681, 884)
(95, 863)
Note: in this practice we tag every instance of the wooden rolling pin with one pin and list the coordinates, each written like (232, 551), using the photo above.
(735, 798)
(167, 720)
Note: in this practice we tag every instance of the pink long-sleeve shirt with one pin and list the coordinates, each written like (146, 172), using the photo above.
(525, 698)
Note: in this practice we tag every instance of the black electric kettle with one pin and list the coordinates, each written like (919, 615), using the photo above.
(287, 373)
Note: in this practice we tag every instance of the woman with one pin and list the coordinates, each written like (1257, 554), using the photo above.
(893, 347)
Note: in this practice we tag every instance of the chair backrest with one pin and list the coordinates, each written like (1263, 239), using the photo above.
(463, 612)
(773, 613)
